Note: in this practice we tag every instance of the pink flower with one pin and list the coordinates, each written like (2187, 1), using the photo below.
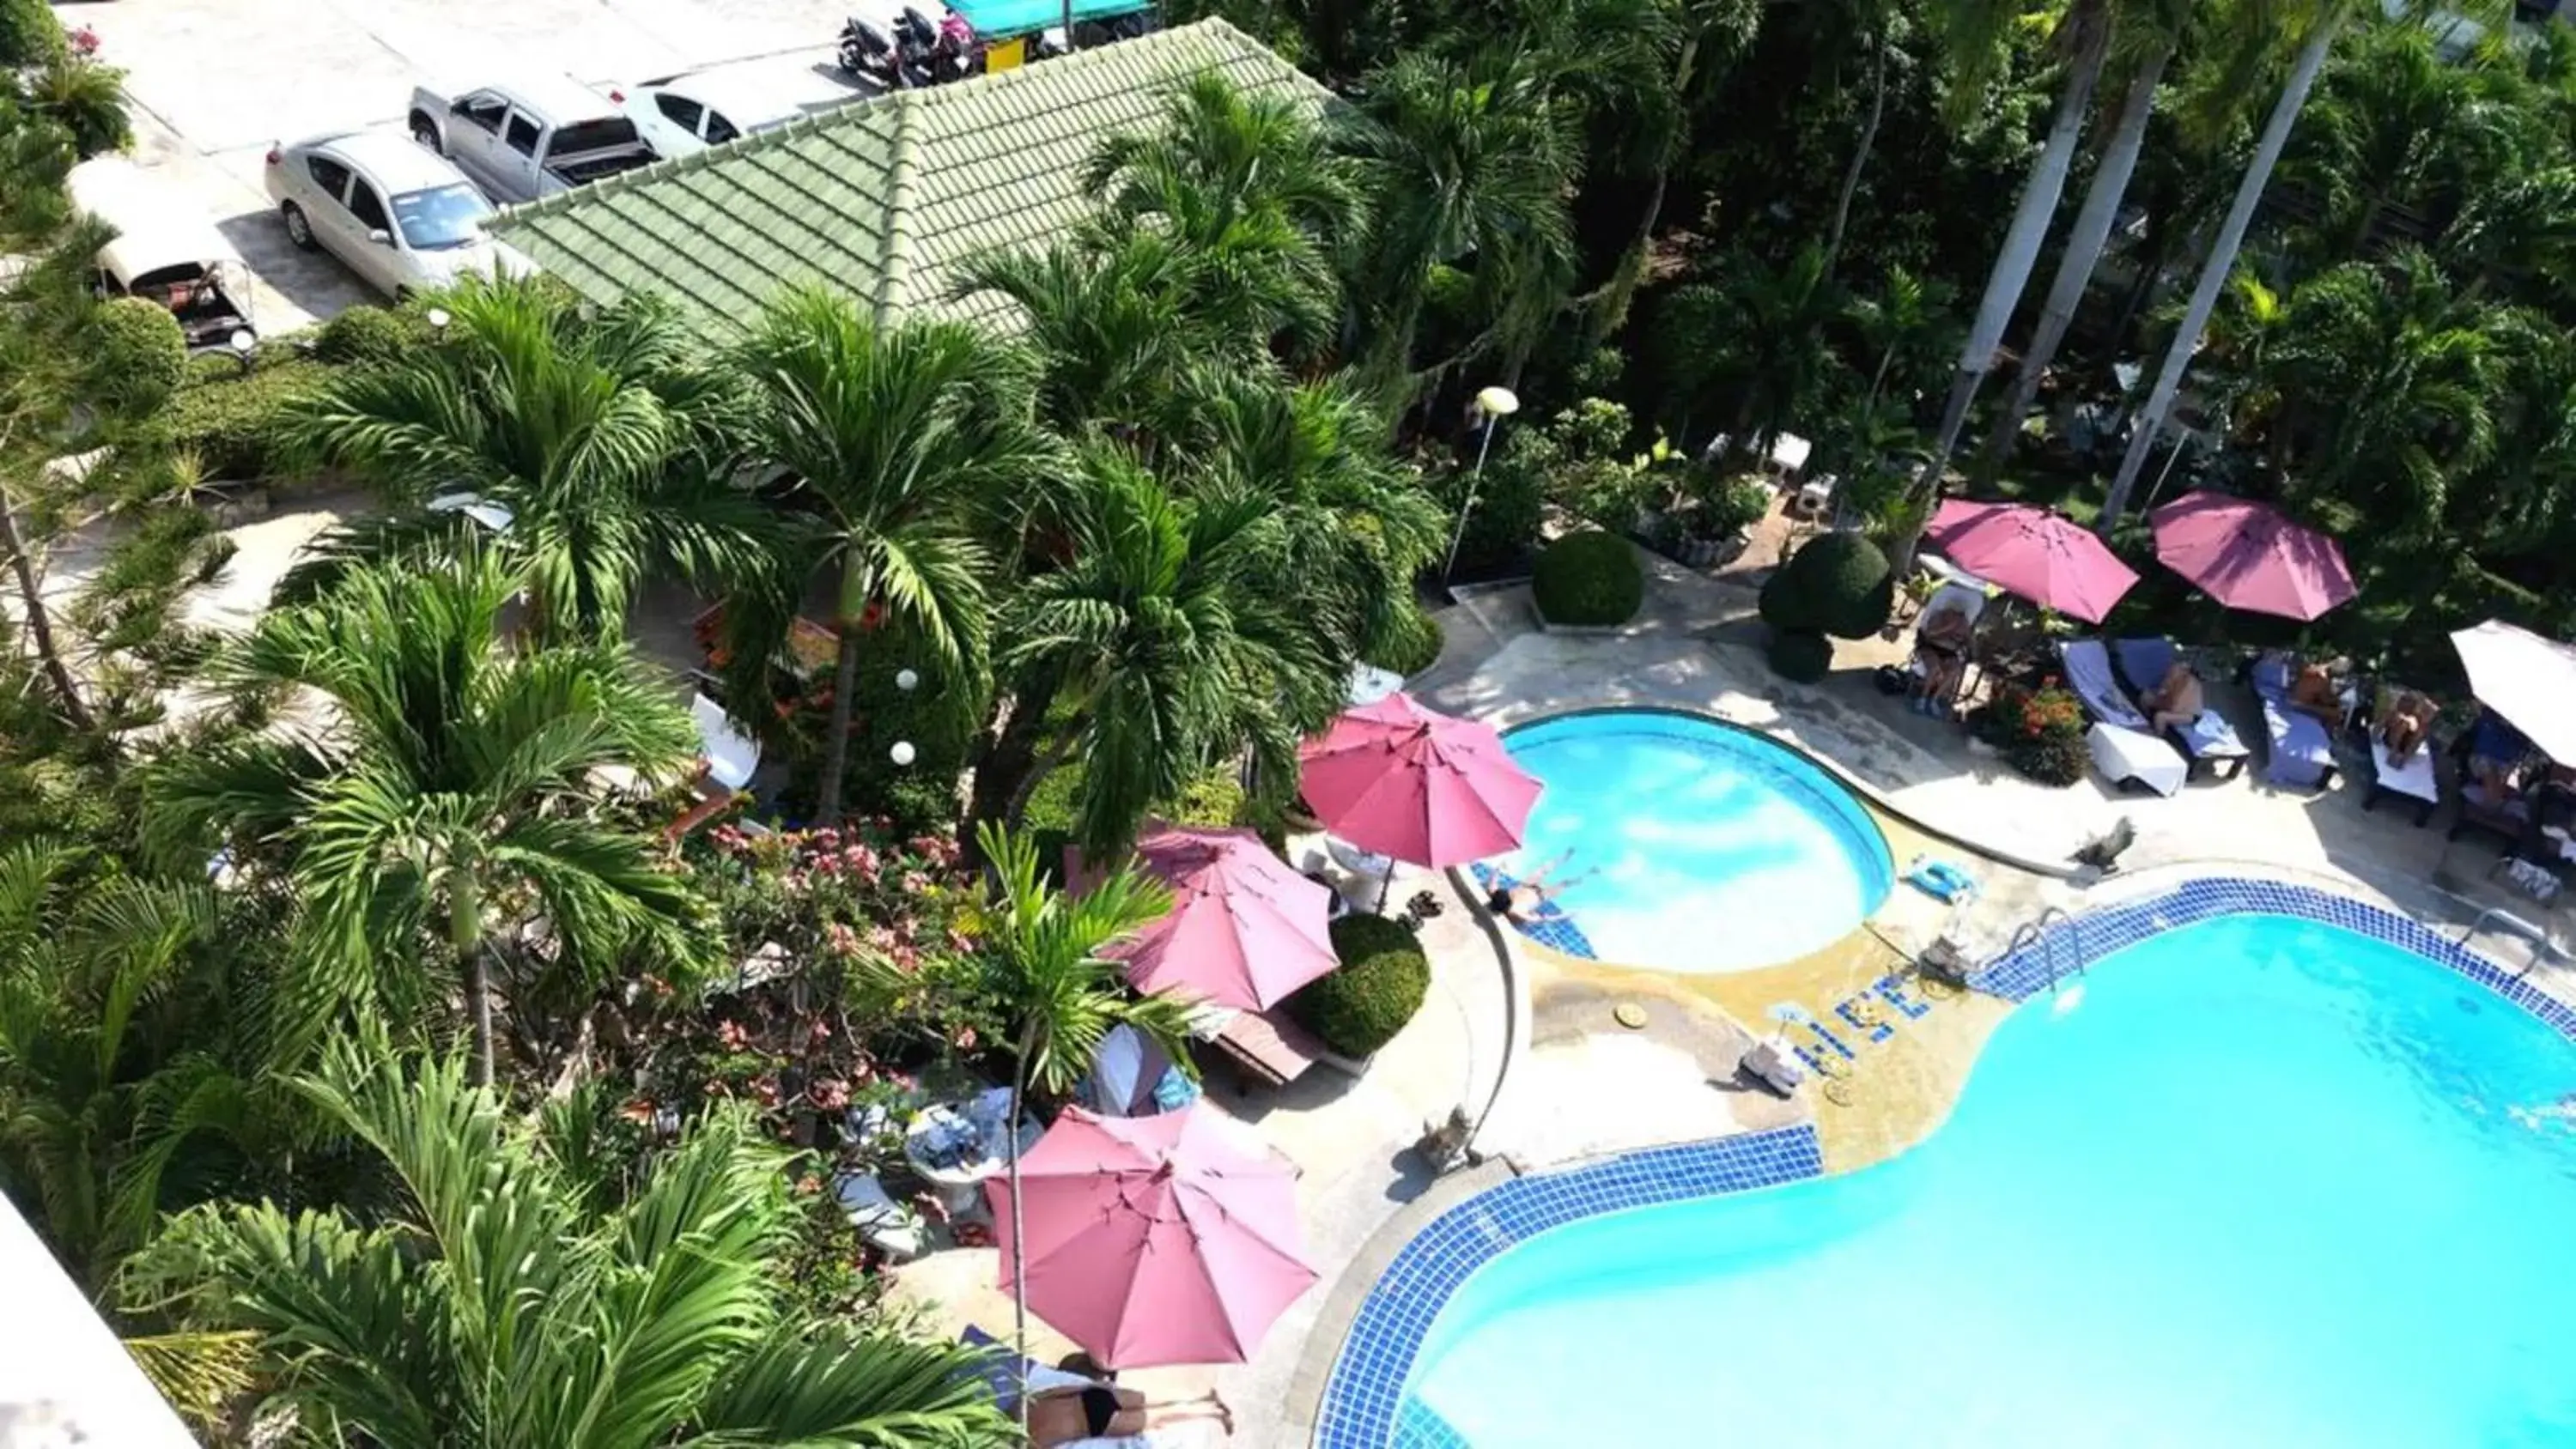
(830, 1095)
(882, 937)
(732, 1035)
(914, 882)
(965, 1038)
(809, 1184)
(960, 939)
(842, 940)
(84, 40)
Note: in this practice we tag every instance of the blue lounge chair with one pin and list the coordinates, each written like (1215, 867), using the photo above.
(2210, 743)
(2301, 750)
(2123, 748)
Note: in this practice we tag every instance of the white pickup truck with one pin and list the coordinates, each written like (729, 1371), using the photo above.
(527, 138)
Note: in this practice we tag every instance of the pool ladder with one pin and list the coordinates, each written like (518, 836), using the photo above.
(2496, 920)
(2036, 932)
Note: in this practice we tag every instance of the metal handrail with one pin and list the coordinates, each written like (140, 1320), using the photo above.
(2035, 932)
(2506, 923)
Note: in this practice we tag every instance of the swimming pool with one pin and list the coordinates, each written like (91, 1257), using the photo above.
(2254, 1180)
(1689, 845)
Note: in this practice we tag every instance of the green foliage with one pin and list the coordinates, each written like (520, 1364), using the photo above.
(1510, 500)
(1588, 578)
(29, 34)
(2050, 759)
(370, 335)
(137, 357)
(1414, 646)
(1360, 1005)
(235, 423)
(1838, 584)
(1804, 656)
(85, 98)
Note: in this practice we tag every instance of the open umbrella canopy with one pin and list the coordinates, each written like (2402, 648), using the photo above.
(1401, 780)
(2529, 680)
(2246, 555)
(1155, 1240)
(2042, 556)
(1244, 929)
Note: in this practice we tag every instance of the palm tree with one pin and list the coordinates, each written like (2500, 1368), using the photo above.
(1905, 327)
(43, 308)
(1755, 343)
(440, 798)
(494, 1305)
(2086, 35)
(2149, 424)
(2084, 243)
(1045, 970)
(1107, 320)
(2394, 124)
(1168, 634)
(115, 1002)
(1468, 165)
(899, 435)
(599, 434)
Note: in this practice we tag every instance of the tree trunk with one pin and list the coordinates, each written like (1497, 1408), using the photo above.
(1632, 272)
(2083, 252)
(845, 689)
(2215, 270)
(40, 623)
(1005, 775)
(465, 935)
(2012, 269)
(1019, 1275)
(1860, 152)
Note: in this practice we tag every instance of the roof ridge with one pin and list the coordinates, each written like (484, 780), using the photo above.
(896, 266)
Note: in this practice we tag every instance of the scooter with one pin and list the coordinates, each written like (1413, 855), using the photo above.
(866, 53)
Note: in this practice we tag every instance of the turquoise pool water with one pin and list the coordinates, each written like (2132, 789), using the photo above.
(1694, 847)
(2252, 1182)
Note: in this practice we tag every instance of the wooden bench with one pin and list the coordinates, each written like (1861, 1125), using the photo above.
(1267, 1047)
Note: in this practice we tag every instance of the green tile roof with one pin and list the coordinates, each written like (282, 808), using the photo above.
(884, 198)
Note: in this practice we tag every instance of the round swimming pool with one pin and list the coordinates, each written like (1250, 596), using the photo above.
(2262, 1181)
(1687, 845)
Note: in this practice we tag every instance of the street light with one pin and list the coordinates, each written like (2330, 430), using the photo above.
(1493, 404)
(242, 343)
(906, 680)
(438, 319)
(902, 753)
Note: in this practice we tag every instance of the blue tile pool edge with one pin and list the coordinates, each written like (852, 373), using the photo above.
(1363, 1399)
(1363, 1404)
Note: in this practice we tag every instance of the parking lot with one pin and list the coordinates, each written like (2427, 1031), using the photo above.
(214, 82)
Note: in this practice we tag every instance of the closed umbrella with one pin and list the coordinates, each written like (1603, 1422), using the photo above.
(2039, 555)
(1244, 930)
(1155, 1240)
(1409, 782)
(2247, 555)
(2529, 680)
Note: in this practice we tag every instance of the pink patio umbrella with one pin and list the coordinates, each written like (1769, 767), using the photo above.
(2246, 555)
(1244, 929)
(1401, 780)
(1155, 1240)
(2044, 557)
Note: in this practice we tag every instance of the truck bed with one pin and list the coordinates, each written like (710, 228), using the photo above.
(588, 166)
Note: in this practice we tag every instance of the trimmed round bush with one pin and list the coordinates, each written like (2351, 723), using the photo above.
(1800, 655)
(2050, 759)
(1839, 584)
(1588, 579)
(138, 355)
(1413, 644)
(369, 335)
(1361, 1005)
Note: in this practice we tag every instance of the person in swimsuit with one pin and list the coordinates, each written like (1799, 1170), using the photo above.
(1942, 641)
(2409, 720)
(2176, 701)
(1107, 1411)
(1524, 897)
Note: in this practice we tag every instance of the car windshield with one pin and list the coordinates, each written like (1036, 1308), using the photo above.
(441, 217)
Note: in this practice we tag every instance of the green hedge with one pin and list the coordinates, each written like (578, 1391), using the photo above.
(1801, 655)
(1839, 584)
(1362, 1004)
(370, 335)
(138, 355)
(232, 420)
(2050, 759)
(29, 34)
(1413, 644)
(1588, 579)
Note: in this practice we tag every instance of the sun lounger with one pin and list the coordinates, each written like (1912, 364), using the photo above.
(1268, 1047)
(2415, 779)
(2123, 748)
(2301, 751)
(2209, 741)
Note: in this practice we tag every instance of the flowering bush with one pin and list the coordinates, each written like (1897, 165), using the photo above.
(2040, 730)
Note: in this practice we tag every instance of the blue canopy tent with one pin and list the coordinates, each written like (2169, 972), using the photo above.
(1001, 19)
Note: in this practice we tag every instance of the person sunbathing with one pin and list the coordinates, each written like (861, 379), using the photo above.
(1517, 901)
(2409, 721)
(1941, 640)
(2496, 754)
(2314, 693)
(1108, 1411)
(2176, 700)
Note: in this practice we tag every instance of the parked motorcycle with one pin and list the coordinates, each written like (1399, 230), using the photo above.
(871, 55)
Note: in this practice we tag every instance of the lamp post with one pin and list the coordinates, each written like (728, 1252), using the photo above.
(242, 344)
(1493, 404)
(903, 754)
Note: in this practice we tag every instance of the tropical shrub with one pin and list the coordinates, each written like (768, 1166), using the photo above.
(1510, 501)
(2039, 730)
(85, 98)
(29, 34)
(1361, 1005)
(1732, 504)
(1588, 578)
(369, 335)
(2050, 759)
(138, 355)
(1414, 644)
(1839, 584)
(1803, 656)
(232, 421)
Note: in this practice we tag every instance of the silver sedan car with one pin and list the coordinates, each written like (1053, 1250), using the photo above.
(402, 218)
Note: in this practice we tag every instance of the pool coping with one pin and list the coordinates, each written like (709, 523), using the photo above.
(1362, 1393)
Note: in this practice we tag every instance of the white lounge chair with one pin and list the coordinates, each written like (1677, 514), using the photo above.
(2414, 779)
(2123, 745)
